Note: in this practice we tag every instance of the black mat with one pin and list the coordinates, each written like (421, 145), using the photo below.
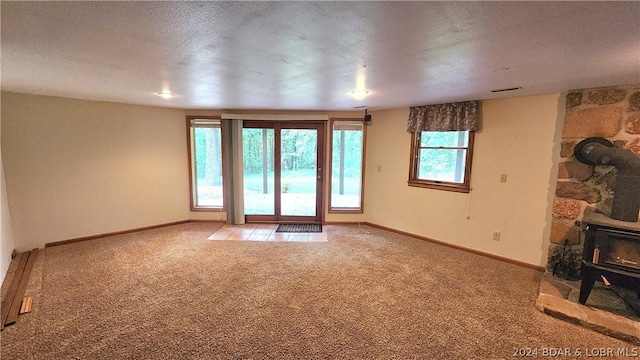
(302, 228)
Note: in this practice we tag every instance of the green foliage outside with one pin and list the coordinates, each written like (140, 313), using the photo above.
(298, 156)
(298, 152)
(208, 156)
(352, 166)
(208, 165)
(444, 138)
(437, 161)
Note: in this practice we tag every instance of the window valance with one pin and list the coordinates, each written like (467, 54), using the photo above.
(460, 116)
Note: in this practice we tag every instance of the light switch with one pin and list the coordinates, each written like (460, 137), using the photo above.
(379, 168)
(503, 178)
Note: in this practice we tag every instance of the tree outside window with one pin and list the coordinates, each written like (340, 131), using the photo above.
(205, 155)
(441, 160)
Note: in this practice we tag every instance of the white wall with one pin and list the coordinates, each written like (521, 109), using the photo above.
(6, 235)
(516, 138)
(78, 168)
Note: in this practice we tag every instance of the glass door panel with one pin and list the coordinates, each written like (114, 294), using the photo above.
(282, 174)
(259, 174)
(299, 172)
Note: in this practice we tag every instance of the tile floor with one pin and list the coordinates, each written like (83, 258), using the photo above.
(264, 232)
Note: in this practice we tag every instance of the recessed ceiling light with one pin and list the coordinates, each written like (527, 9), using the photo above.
(165, 94)
(359, 94)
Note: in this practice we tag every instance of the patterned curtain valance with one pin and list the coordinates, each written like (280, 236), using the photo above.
(458, 116)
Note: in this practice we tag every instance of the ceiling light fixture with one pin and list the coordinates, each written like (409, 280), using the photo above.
(360, 93)
(165, 94)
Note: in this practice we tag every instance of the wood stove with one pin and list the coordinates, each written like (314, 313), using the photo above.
(612, 251)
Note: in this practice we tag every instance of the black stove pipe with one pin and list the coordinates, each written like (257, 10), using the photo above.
(626, 199)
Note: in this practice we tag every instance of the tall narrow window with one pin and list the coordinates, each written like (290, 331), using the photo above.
(205, 155)
(347, 166)
(441, 160)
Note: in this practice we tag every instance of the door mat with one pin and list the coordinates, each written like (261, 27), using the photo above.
(303, 228)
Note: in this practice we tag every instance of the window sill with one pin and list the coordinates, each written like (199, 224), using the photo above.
(461, 188)
(345, 211)
(207, 209)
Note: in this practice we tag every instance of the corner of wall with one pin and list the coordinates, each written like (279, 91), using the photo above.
(553, 176)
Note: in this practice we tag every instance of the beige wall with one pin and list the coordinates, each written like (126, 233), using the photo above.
(517, 138)
(78, 168)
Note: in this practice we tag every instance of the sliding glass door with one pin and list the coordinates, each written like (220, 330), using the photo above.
(283, 171)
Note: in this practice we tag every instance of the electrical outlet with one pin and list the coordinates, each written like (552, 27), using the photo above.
(496, 235)
(503, 178)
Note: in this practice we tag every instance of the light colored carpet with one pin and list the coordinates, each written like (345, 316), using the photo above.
(366, 294)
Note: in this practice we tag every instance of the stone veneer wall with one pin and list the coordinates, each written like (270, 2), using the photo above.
(612, 113)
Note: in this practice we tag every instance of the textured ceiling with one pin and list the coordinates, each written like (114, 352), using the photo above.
(310, 55)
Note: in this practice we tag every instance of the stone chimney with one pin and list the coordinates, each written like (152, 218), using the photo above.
(612, 113)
